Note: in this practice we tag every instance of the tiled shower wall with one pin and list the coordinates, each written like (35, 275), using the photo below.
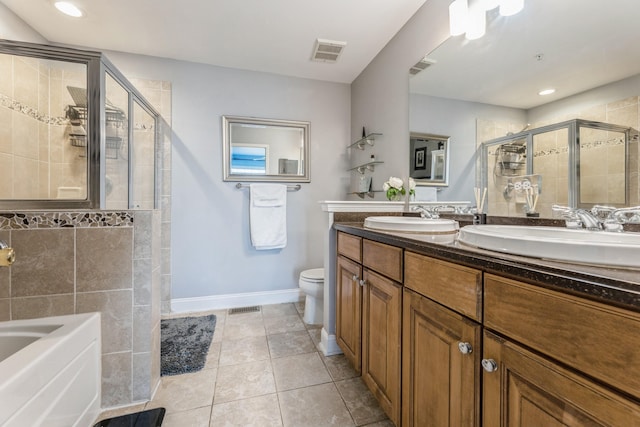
(69, 263)
(551, 158)
(35, 150)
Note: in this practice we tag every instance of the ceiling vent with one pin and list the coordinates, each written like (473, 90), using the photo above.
(327, 50)
(422, 65)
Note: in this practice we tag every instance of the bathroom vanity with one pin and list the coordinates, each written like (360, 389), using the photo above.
(459, 336)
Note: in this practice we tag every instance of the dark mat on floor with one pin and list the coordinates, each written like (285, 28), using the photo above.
(184, 343)
(149, 418)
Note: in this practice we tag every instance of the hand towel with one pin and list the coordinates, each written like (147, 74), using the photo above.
(268, 216)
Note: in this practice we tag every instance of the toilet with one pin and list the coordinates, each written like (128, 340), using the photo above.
(311, 282)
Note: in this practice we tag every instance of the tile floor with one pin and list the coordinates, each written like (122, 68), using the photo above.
(264, 369)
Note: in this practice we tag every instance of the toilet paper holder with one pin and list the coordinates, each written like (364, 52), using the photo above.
(7, 254)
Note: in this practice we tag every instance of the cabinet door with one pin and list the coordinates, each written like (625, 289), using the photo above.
(440, 365)
(524, 389)
(349, 310)
(381, 340)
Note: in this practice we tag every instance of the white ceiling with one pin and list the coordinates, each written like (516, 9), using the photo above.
(585, 43)
(274, 36)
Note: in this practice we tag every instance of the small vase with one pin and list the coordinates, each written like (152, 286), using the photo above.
(396, 198)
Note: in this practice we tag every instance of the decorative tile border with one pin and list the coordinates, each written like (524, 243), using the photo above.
(35, 220)
(565, 149)
(12, 104)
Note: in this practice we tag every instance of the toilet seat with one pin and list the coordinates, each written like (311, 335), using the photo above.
(313, 275)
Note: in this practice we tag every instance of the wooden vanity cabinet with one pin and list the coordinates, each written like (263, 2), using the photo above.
(349, 310)
(525, 389)
(369, 315)
(381, 341)
(349, 298)
(557, 359)
(442, 343)
(440, 365)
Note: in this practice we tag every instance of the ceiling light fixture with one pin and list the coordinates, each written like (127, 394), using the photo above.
(458, 14)
(68, 9)
(476, 21)
(469, 16)
(546, 92)
(511, 7)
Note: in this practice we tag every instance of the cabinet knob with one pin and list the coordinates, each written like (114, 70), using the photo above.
(355, 278)
(489, 365)
(465, 347)
(363, 282)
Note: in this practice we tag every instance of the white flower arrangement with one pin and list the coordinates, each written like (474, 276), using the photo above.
(394, 188)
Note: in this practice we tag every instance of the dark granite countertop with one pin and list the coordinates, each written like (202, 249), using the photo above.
(615, 286)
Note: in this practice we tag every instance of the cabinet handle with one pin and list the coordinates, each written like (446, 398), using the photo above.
(465, 347)
(489, 365)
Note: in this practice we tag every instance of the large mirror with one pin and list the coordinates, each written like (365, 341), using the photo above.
(428, 159)
(485, 89)
(258, 149)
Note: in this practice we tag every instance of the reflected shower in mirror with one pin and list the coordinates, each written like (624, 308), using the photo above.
(429, 159)
(258, 149)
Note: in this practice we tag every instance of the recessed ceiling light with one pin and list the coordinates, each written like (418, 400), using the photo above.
(546, 92)
(68, 8)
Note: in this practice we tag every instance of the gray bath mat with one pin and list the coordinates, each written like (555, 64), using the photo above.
(184, 343)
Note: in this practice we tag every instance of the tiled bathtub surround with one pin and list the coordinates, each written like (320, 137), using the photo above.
(109, 262)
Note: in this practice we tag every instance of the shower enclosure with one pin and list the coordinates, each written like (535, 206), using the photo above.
(74, 132)
(578, 163)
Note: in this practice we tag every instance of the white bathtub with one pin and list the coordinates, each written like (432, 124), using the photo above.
(50, 371)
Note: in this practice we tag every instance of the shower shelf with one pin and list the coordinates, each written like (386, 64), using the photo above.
(115, 120)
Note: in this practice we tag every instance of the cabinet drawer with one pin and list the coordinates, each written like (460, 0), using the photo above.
(454, 286)
(383, 258)
(350, 246)
(594, 338)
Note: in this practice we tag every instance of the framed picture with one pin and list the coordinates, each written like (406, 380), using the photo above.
(419, 156)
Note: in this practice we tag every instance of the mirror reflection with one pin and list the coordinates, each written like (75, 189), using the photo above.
(428, 159)
(488, 89)
(265, 149)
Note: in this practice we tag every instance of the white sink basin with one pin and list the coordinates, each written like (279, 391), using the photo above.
(430, 230)
(579, 246)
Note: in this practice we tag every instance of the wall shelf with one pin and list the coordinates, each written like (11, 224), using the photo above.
(370, 166)
(367, 140)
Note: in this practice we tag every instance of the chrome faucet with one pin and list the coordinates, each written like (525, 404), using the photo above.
(599, 218)
(577, 218)
(425, 213)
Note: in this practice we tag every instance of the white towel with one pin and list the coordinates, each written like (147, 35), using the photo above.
(268, 216)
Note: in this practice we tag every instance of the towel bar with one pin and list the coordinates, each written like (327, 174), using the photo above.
(289, 187)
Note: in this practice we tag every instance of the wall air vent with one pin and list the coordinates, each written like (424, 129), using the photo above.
(327, 50)
(421, 65)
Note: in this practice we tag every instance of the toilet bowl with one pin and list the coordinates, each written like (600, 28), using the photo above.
(311, 282)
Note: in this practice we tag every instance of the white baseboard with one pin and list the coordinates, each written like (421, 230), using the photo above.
(328, 344)
(221, 302)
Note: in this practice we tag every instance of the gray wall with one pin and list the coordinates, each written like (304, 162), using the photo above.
(457, 119)
(211, 248)
(380, 94)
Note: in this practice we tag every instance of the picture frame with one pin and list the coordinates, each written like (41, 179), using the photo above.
(419, 158)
